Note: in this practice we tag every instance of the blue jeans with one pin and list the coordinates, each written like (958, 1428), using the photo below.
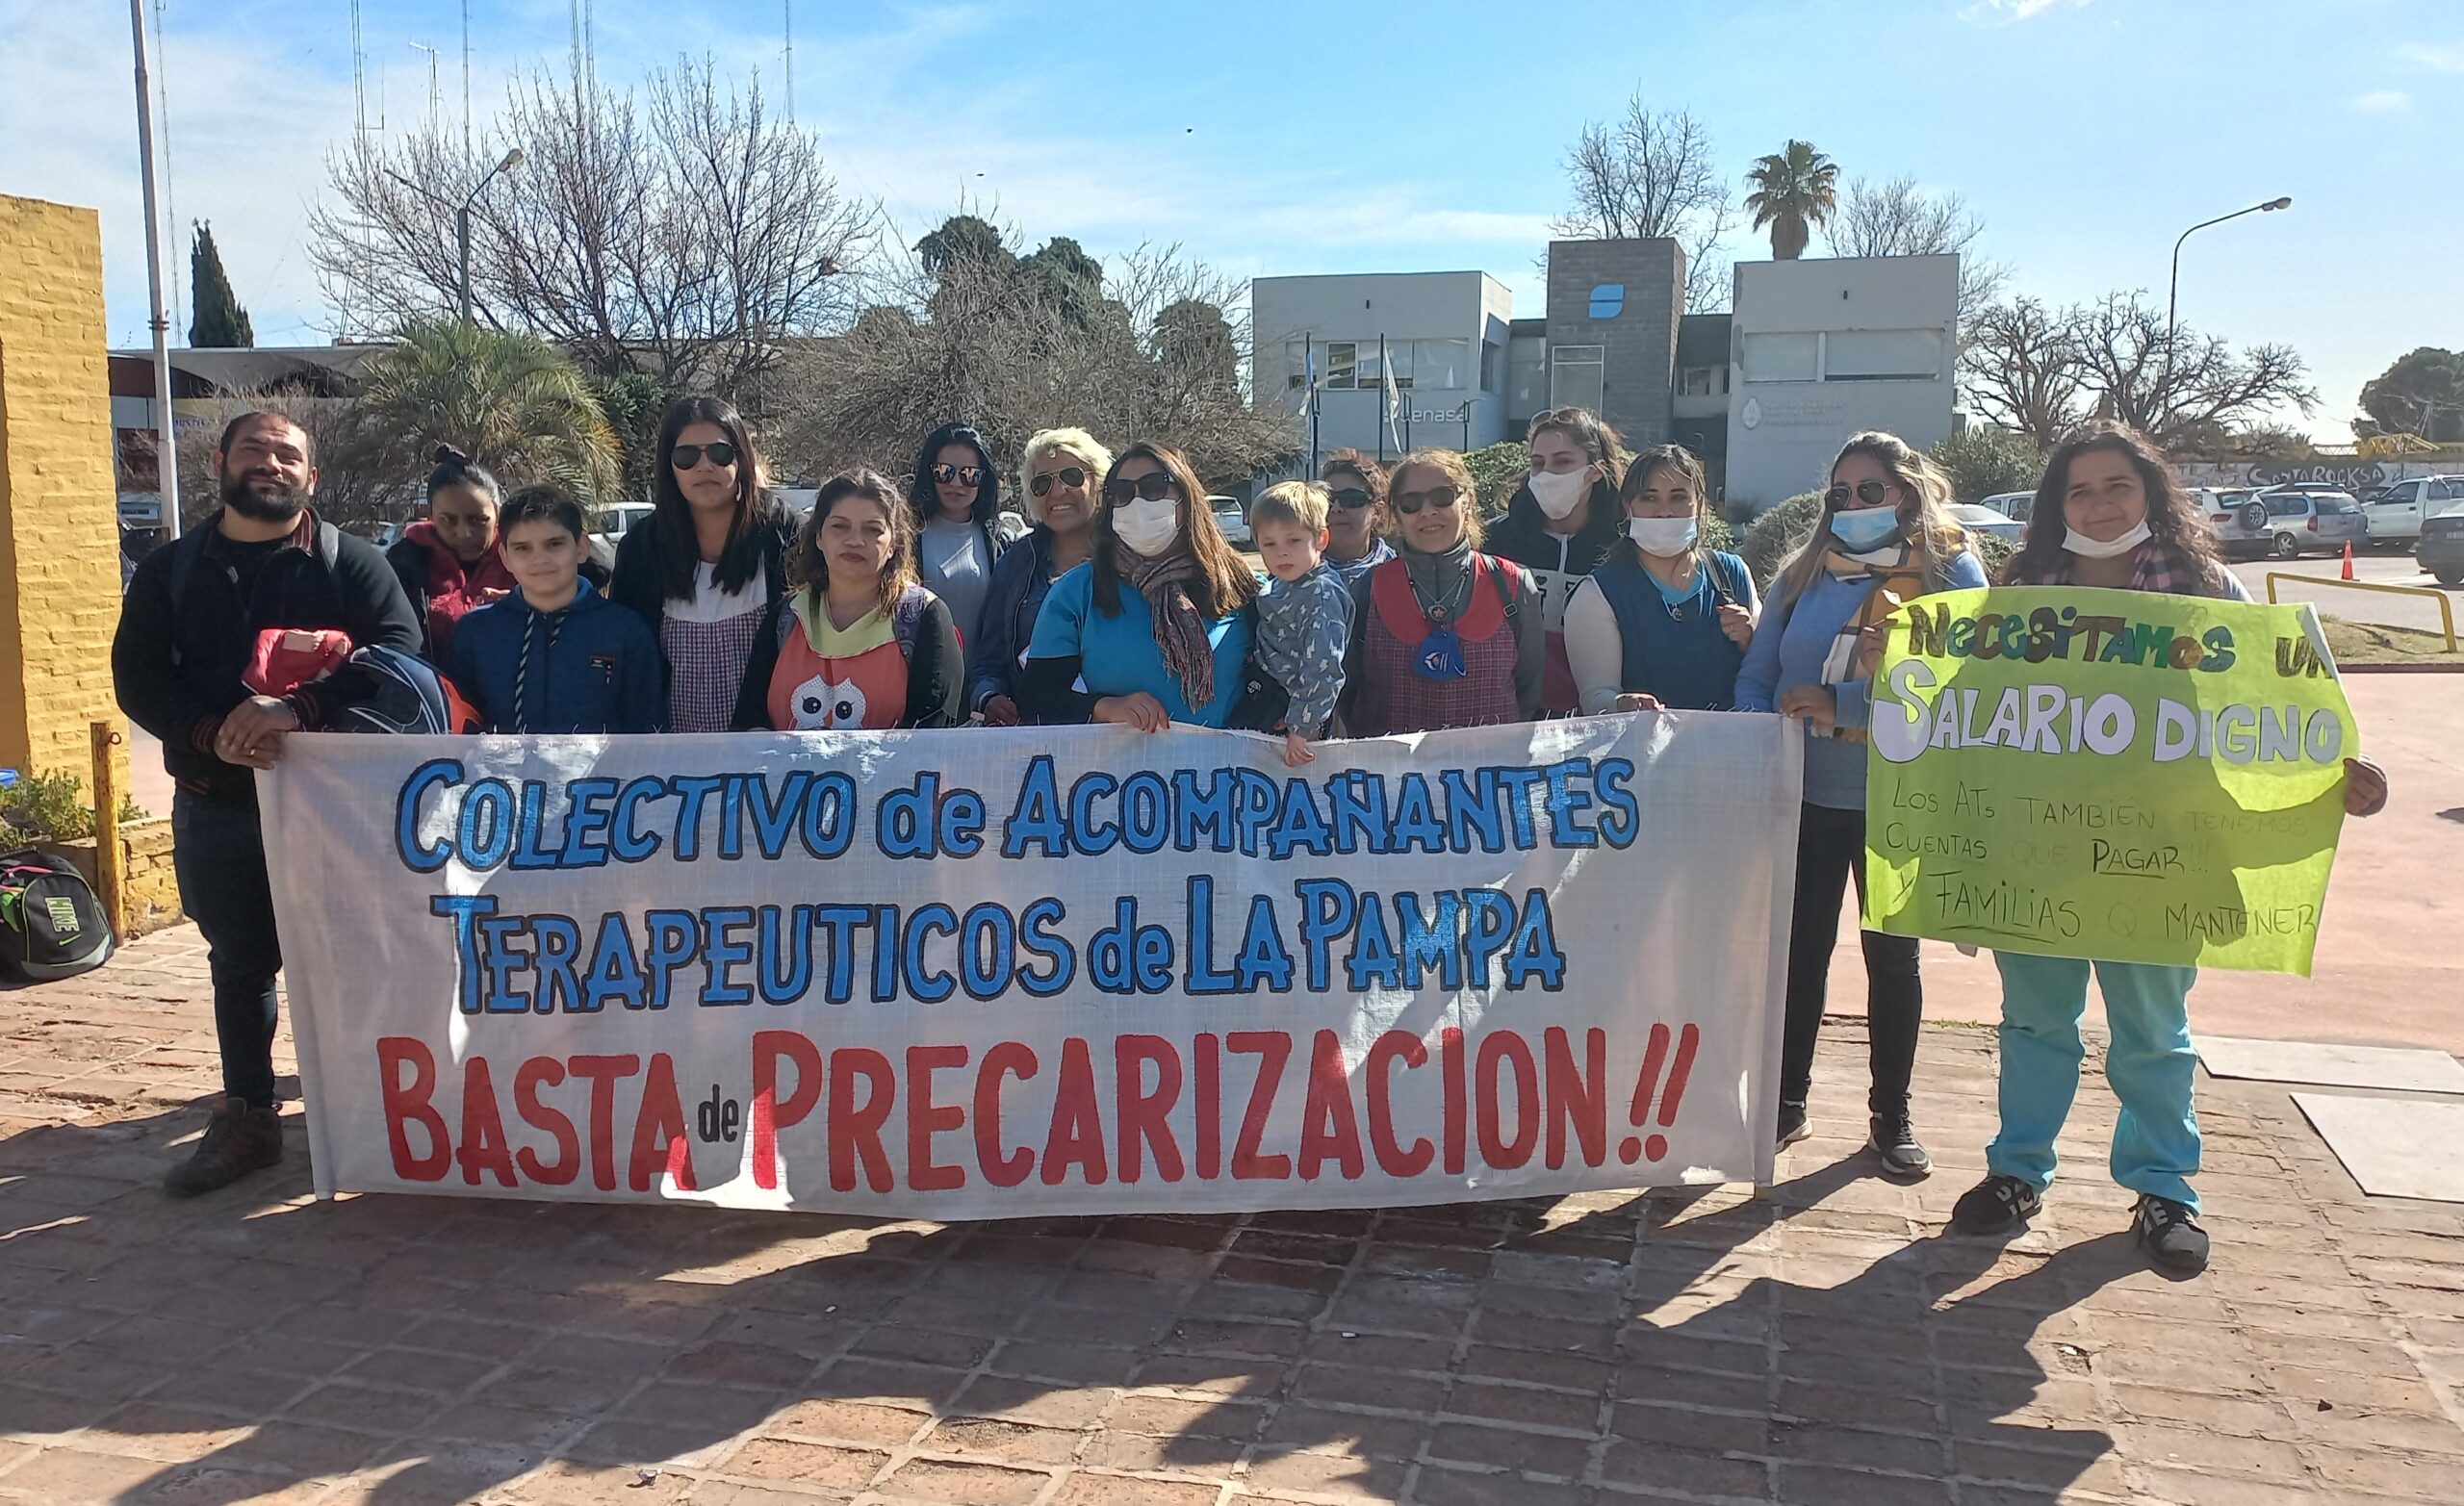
(218, 853)
(2149, 1062)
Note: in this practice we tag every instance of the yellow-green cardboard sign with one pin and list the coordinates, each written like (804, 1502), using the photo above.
(2106, 774)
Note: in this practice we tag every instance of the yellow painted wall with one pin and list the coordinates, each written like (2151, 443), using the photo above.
(59, 516)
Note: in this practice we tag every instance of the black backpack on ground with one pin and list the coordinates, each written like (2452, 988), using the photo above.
(51, 925)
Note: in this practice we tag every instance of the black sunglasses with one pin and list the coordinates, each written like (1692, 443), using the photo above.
(1154, 486)
(1869, 493)
(684, 457)
(1441, 498)
(959, 475)
(1068, 475)
(1352, 497)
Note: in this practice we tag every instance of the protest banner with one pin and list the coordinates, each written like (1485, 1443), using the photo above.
(2106, 774)
(975, 974)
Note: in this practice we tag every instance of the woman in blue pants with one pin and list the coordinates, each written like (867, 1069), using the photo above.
(2108, 514)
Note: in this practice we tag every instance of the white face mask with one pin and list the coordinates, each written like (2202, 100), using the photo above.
(1665, 537)
(2086, 548)
(1560, 492)
(1148, 526)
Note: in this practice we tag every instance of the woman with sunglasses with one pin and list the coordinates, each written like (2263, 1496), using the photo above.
(708, 562)
(1443, 635)
(1154, 627)
(1561, 523)
(1886, 537)
(1664, 623)
(1065, 471)
(1357, 523)
(955, 499)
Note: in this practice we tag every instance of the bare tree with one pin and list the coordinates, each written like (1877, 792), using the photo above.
(2020, 368)
(354, 488)
(1649, 174)
(1899, 218)
(687, 236)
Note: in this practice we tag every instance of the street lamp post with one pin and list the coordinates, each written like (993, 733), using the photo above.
(462, 216)
(2173, 289)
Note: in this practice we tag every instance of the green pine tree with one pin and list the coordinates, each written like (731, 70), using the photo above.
(219, 322)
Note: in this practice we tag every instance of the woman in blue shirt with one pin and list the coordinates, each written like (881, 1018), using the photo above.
(1154, 627)
(1661, 623)
(1885, 536)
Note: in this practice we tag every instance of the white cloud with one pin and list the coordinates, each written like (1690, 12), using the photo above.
(2435, 57)
(2006, 13)
(2383, 102)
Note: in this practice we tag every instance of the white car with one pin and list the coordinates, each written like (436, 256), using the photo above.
(615, 519)
(1231, 518)
(2396, 512)
(1979, 518)
(2013, 506)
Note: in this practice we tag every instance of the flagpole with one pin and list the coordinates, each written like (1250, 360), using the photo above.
(1381, 400)
(1309, 379)
(167, 454)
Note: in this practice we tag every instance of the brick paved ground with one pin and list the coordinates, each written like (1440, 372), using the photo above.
(1827, 1346)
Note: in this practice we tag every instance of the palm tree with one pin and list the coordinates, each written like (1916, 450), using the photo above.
(1794, 190)
(511, 401)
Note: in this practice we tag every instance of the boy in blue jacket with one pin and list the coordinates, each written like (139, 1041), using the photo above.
(556, 655)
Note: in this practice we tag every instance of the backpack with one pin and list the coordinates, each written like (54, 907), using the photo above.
(406, 696)
(51, 925)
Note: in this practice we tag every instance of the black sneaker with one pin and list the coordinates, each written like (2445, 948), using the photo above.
(242, 1139)
(1894, 1139)
(1998, 1205)
(1792, 1124)
(2170, 1232)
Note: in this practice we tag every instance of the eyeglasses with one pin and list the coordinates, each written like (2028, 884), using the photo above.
(1068, 475)
(958, 476)
(1352, 497)
(1441, 498)
(1870, 492)
(684, 457)
(1153, 486)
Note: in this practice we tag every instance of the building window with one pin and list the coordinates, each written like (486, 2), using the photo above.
(1491, 358)
(1780, 358)
(1696, 382)
(1608, 300)
(1441, 365)
(1882, 355)
(1576, 377)
(1342, 359)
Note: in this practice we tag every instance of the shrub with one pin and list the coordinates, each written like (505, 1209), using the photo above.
(51, 808)
(1981, 462)
(1770, 539)
(1992, 551)
(1498, 469)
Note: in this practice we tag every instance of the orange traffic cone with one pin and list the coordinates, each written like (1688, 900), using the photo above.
(2347, 559)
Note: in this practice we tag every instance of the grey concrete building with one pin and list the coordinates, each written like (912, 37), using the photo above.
(1444, 339)
(1613, 309)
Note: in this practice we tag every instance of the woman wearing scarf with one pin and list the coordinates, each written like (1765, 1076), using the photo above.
(1664, 623)
(1442, 634)
(1560, 524)
(448, 561)
(1154, 627)
(1885, 536)
(855, 645)
(2109, 514)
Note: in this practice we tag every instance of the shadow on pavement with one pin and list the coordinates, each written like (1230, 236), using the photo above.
(441, 1349)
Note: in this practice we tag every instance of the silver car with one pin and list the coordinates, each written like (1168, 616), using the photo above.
(2286, 524)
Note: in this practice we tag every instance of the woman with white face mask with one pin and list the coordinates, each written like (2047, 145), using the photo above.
(1664, 623)
(2109, 515)
(1154, 627)
(1560, 524)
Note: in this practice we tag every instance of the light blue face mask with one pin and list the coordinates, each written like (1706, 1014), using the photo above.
(1865, 529)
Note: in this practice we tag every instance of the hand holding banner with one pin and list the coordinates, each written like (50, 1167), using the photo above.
(2116, 775)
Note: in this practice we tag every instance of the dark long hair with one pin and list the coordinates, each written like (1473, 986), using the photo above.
(924, 504)
(2174, 521)
(808, 570)
(1224, 585)
(740, 561)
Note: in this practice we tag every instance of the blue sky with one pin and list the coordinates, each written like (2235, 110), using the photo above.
(1277, 138)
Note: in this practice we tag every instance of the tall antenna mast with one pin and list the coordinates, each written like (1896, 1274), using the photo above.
(466, 83)
(167, 453)
(432, 96)
(788, 7)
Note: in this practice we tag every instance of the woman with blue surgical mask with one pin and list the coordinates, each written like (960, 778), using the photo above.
(1664, 623)
(1885, 536)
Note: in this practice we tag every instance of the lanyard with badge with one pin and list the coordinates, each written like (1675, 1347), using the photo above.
(1440, 656)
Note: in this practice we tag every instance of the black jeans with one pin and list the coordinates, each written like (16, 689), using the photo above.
(219, 851)
(1830, 850)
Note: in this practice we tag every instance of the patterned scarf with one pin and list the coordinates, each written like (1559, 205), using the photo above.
(1896, 579)
(2156, 565)
(1180, 633)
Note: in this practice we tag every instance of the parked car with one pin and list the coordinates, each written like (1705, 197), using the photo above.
(2013, 506)
(2286, 524)
(1232, 518)
(2441, 551)
(2396, 513)
(615, 519)
(1979, 518)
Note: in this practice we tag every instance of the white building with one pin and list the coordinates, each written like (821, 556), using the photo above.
(1445, 337)
(1825, 347)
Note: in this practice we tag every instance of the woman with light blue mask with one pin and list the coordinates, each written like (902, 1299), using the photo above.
(1886, 537)
(1663, 622)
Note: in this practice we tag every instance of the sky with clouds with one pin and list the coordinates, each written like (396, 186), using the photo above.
(1283, 137)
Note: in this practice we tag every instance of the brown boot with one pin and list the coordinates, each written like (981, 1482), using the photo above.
(240, 1139)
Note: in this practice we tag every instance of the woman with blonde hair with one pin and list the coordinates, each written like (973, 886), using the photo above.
(1886, 537)
(1442, 635)
(1064, 470)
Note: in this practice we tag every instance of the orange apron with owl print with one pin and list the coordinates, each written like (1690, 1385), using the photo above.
(838, 679)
